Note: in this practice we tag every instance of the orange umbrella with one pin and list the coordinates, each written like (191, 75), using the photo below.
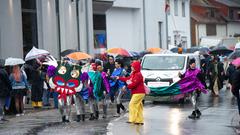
(154, 50)
(119, 51)
(79, 56)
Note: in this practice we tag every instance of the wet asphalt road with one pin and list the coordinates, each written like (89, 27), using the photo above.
(219, 117)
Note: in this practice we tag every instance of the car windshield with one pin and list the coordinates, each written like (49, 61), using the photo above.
(163, 63)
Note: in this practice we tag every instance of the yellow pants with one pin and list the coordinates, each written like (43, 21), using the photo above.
(136, 108)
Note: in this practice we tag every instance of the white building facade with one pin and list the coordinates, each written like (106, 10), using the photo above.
(136, 25)
(57, 26)
(179, 25)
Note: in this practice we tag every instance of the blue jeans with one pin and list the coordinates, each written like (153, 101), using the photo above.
(55, 99)
(46, 96)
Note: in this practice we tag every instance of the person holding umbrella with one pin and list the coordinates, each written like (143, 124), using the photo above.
(4, 90)
(235, 81)
(216, 73)
(19, 86)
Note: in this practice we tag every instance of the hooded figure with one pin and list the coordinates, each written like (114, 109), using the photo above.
(136, 85)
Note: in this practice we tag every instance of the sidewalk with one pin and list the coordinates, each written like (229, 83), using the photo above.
(48, 121)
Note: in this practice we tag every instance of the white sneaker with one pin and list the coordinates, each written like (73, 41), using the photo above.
(17, 115)
(116, 115)
(22, 114)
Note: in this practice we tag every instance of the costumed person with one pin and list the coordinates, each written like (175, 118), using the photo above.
(94, 82)
(136, 85)
(35, 79)
(65, 79)
(118, 86)
(216, 73)
(198, 78)
(19, 88)
(191, 83)
(109, 68)
(4, 91)
(105, 89)
(81, 97)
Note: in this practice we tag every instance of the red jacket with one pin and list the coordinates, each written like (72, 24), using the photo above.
(136, 84)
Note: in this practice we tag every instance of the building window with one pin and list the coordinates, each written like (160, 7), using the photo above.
(99, 25)
(176, 7)
(211, 29)
(160, 33)
(231, 14)
(183, 9)
(184, 41)
(29, 25)
(212, 13)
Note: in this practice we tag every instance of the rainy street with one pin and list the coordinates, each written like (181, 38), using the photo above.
(119, 67)
(219, 116)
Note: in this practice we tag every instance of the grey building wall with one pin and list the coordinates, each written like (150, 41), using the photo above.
(11, 43)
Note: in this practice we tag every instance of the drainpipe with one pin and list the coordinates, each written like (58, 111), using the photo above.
(87, 25)
(144, 25)
(58, 27)
(78, 32)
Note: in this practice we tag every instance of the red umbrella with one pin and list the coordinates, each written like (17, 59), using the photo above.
(118, 51)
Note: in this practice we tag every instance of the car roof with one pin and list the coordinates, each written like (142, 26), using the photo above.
(172, 54)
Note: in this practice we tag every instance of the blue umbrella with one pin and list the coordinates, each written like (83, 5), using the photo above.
(175, 50)
(134, 54)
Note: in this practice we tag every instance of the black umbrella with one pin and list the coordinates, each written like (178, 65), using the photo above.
(192, 49)
(234, 54)
(220, 50)
(68, 51)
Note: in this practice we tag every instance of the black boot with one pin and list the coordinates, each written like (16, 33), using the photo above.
(78, 118)
(91, 117)
(63, 118)
(96, 115)
(118, 108)
(83, 117)
(122, 107)
(198, 114)
(67, 120)
(193, 115)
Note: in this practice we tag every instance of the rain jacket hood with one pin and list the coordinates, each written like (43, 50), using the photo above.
(137, 66)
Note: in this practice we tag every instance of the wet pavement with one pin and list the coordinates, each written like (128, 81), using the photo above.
(48, 122)
(219, 117)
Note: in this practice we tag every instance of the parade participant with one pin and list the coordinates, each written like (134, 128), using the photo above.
(118, 86)
(65, 79)
(136, 85)
(198, 80)
(4, 90)
(191, 82)
(216, 73)
(19, 88)
(105, 86)
(110, 65)
(95, 91)
(81, 97)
